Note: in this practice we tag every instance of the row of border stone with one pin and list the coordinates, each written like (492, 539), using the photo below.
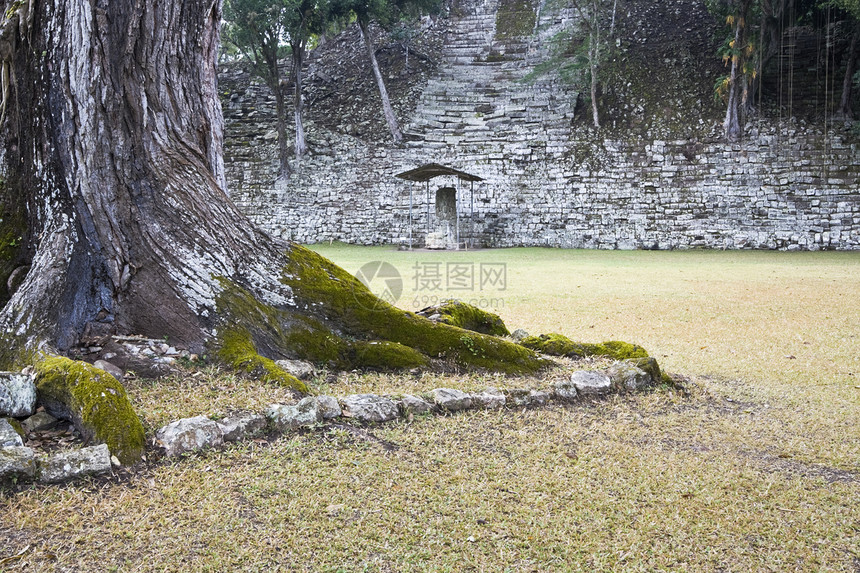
(200, 432)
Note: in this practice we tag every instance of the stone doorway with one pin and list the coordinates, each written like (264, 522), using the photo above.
(444, 233)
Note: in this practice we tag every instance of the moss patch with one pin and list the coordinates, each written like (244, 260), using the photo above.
(94, 401)
(472, 318)
(13, 230)
(559, 345)
(515, 19)
(237, 350)
(335, 296)
(384, 355)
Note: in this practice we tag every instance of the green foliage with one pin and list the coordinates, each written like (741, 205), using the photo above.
(95, 402)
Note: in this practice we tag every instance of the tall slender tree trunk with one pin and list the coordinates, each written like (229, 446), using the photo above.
(390, 118)
(113, 136)
(298, 104)
(594, 61)
(284, 169)
(845, 110)
(732, 122)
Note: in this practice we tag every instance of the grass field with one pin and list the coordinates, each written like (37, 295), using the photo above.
(757, 469)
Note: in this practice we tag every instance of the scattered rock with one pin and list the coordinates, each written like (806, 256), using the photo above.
(489, 399)
(114, 371)
(8, 436)
(329, 406)
(650, 366)
(306, 413)
(298, 368)
(74, 464)
(414, 404)
(17, 461)
(451, 399)
(17, 394)
(189, 434)
(626, 377)
(591, 382)
(369, 408)
(519, 334)
(241, 426)
(467, 316)
(39, 421)
(564, 391)
(522, 398)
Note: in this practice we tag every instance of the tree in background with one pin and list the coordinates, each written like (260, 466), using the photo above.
(738, 53)
(262, 31)
(852, 77)
(385, 13)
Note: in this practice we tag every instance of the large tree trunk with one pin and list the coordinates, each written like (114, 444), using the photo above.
(390, 118)
(113, 135)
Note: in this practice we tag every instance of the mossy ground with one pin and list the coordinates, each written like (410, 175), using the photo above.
(95, 401)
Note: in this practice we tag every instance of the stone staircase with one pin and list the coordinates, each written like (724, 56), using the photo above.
(479, 98)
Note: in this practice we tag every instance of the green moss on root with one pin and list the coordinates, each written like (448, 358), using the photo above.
(333, 294)
(462, 315)
(555, 344)
(94, 401)
(384, 355)
(236, 349)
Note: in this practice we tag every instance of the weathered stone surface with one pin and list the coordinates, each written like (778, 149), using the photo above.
(369, 408)
(73, 464)
(189, 434)
(241, 426)
(17, 394)
(298, 368)
(626, 377)
(519, 334)
(114, 371)
(489, 399)
(564, 391)
(522, 398)
(306, 413)
(38, 421)
(414, 404)
(17, 461)
(451, 399)
(8, 436)
(591, 382)
(329, 406)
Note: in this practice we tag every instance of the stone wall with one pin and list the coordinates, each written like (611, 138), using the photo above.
(548, 179)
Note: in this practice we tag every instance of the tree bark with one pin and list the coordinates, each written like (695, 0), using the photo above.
(845, 110)
(114, 137)
(298, 105)
(732, 122)
(284, 170)
(390, 118)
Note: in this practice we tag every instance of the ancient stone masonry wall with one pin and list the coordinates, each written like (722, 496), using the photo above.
(549, 180)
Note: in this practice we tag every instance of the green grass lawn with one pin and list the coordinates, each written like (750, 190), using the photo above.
(758, 469)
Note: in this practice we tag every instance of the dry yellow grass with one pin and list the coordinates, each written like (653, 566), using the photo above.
(757, 470)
